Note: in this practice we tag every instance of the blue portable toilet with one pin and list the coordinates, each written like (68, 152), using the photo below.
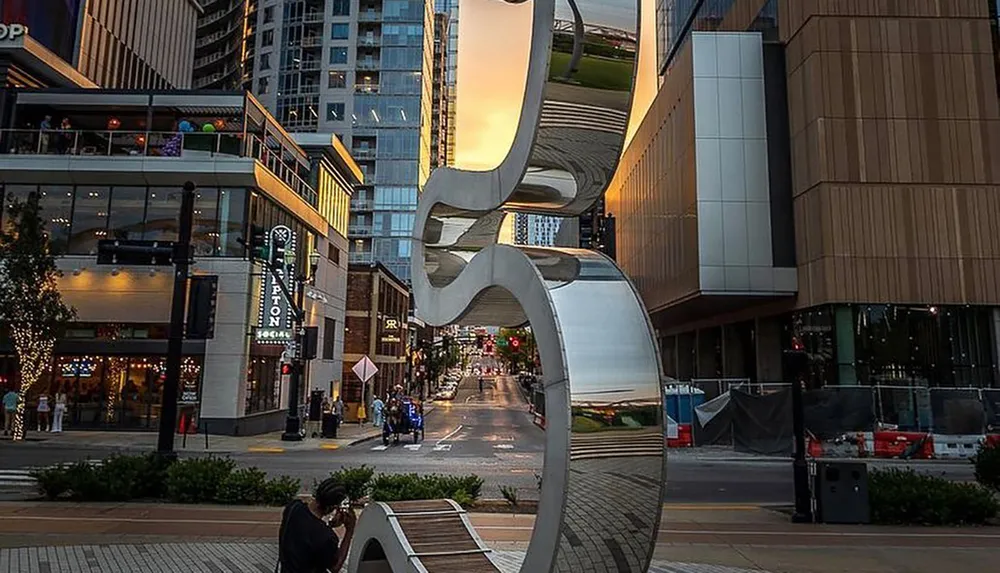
(680, 400)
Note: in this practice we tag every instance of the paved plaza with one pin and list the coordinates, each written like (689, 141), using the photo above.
(208, 558)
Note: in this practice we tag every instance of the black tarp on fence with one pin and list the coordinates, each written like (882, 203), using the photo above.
(713, 422)
(762, 424)
(834, 411)
(991, 402)
(957, 411)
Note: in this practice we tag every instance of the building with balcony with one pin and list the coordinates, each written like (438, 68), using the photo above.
(118, 174)
(439, 93)
(137, 44)
(223, 37)
(819, 175)
(360, 69)
(450, 7)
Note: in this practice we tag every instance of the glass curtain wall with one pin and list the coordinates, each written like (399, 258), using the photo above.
(77, 218)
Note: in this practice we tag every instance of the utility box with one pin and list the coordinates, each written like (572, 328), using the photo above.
(841, 492)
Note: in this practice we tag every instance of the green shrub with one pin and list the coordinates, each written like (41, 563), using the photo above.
(133, 477)
(197, 480)
(53, 482)
(245, 486)
(281, 491)
(409, 487)
(987, 462)
(904, 497)
(355, 480)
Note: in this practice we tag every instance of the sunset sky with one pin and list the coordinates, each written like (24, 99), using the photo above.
(492, 59)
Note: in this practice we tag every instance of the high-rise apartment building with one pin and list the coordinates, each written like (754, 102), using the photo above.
(439, 93)
(360, 69)
(224, 34)
(450, 7)
(820, 175)
(118, 44)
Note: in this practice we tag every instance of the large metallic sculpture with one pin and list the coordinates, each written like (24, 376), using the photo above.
(604, 473)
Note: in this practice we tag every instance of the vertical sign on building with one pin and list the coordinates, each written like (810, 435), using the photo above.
(274, 325)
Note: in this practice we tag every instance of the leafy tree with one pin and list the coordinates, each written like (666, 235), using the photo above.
(30, 303)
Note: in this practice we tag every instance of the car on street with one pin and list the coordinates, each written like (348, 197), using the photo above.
(445, 393)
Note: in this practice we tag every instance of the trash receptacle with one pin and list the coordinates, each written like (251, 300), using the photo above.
(329, 429)
(841, 491)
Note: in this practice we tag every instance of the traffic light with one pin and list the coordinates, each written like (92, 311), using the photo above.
(202, 296)
(515, 343)
(286, 369)
(256, 245)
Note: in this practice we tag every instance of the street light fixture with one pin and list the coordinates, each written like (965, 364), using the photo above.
(293, 423)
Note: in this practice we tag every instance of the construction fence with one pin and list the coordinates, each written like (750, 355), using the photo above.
(841, 421)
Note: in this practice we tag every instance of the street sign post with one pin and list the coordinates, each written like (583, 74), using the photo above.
(365, 370)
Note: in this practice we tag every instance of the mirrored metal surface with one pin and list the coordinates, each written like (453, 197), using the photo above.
(604, 471)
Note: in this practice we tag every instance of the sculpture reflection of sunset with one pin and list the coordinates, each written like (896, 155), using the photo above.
(493, 54)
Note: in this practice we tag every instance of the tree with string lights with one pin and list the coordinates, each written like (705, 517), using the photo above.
(30, 304)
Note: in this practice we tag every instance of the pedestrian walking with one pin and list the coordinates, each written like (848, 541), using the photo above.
(10, 400)
(59, 412)
(43, 410)
(378, 409)
(307, 542)
(338, 409)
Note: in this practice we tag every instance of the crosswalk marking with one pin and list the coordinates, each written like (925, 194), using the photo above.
(442, 448)
(380, 448)
(20, 478)
(503, 447)
(412, 447)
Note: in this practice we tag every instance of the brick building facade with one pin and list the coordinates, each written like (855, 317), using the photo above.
(378, 304)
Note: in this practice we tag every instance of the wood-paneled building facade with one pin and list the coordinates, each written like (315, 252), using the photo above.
(826, 171)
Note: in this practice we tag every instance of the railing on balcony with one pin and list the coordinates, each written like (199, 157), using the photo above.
(366, 88)
(141, 144)
(310, 65)
(369, 64)
(362, 204)
(370, 41)
(211, 58)
(312, 42)
(218, 76)
(363, 152)
(360, 257)
(313, 18)
(206, 40)
(359, 230)
(370, 16)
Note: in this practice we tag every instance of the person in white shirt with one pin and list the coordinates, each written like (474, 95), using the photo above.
(58, 413)
(43, 412)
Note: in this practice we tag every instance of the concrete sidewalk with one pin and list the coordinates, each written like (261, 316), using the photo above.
(347, 435)
(693, 538)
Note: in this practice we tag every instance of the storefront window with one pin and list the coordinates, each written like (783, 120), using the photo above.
(232, 209)
(263, 383)
(90, 219)
(128, 209)
(205, 232)
(924, 345)
(12, 194)
(163, 210)
(119, 391)
(56, 202)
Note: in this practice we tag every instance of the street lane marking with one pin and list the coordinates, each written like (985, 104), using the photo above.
(453, 432)
(413, 447)
(503, 447)
(380, 448)
(330, 447)
(442, 448)
(265, 450)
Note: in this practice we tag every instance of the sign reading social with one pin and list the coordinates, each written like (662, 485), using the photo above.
(274, 325)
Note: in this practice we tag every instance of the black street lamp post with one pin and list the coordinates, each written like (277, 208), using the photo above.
(293, 423)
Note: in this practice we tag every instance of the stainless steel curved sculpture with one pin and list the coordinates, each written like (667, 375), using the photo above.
(604, 473)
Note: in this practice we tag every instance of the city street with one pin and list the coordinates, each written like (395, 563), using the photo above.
(490, 435)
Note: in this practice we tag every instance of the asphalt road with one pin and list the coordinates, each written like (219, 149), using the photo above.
(492, 435)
